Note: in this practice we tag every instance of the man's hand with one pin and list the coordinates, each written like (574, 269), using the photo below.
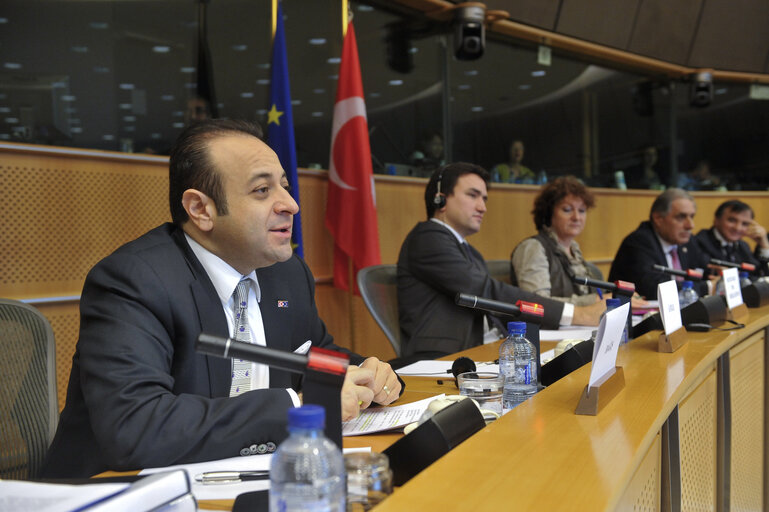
(757, 232)
(386, 386)
(588, 315)
(357, 391)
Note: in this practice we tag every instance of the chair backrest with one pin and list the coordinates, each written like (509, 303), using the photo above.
(378, 288)
(499, 270)
(28, 405)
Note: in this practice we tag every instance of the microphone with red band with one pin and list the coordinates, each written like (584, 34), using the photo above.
(748, 267)
(625, 288)
(690, 274)
(532, 310)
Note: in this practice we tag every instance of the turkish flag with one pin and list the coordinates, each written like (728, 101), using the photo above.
(350, 207)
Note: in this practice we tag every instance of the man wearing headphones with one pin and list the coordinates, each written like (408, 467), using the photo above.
(436, 263)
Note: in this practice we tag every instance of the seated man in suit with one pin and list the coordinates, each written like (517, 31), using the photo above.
(139, 394)
(665, 239)
(436, 263)
(733, 221)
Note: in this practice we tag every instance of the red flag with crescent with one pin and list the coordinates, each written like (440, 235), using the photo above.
(350, 207)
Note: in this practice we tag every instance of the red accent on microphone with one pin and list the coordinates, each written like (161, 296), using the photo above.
(625, 285)
(531, 308)
(694, 273)
(327, 361)
(748, 266)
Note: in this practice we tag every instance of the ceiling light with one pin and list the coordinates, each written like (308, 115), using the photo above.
(79, 49)
(239, 47)
(161, 49)
(71, 110)
(333, 77)
(264, 65)
(187, 69)
(246, 95)
(374, 95)
(413, 49)
(11, 120)
(463, 87)
(334, 60)
(722, 90)
(263, 81)
(129, 129)
(12, 65)
(108, 137)
(129, 119)
(539, 72)
(76, 129)
(5, 136)
(168, 97)
(477, 109)
(156, 136)
(319, 91)
(5, 110)
(296, 102)
(395, 82)
(317, 114)
(74, 120)
(177, 113)
(178, 125)
(190, 85)
(68, 97)
(261, 112)
(365, 8)
(101, 69)
(524, 87)
(126, 87)
(471, 72)
(125, 106)
(317, 41)
(99, 25)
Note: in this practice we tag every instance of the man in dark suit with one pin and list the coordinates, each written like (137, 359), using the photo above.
(139, 395)
(733, 221)
(665, 239)
(436, 263)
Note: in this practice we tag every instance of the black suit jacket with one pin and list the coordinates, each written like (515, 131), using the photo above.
(712, 248)
(640, 250)
(432, 268)
(139, 394)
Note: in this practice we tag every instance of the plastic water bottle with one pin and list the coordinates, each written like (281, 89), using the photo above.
(614, 304)
(518, 363)
(307, 470)
(687, 295)
(541, 177)
(744, 279)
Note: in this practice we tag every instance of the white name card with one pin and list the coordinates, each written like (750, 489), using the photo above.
(731, 277)
(607, 342)
(670, 308)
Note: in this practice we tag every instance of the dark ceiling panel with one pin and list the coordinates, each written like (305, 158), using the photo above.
(539, 13)
(607, 22)
(665, 29)
(733, 35)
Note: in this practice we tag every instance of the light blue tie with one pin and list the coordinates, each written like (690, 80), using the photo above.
(241, 369)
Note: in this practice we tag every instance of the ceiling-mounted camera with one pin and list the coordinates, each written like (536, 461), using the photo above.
(469, 32)
(701, 93)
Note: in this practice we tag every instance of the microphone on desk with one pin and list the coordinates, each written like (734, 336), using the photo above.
(323, 370)
(690, 273)
(625, 288)
(530, 309)
(748, 267)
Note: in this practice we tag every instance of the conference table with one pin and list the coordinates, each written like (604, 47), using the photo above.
(687, 432)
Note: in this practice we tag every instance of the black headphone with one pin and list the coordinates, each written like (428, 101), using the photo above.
(439, 200)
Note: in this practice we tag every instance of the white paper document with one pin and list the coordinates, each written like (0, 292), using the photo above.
(582, 333)
(732, 290)
(380, 419)
(439, 369)
(607, 342)
(38, 497)
(670, 308)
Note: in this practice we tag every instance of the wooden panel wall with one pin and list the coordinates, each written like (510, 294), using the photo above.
(66, 209)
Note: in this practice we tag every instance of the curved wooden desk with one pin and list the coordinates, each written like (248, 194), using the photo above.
(687, 432)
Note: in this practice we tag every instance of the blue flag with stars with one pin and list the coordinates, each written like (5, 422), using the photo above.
(280, 123)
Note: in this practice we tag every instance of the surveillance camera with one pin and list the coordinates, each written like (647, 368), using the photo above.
(701, 93)
(469, 32)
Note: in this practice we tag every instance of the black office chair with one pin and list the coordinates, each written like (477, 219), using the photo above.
(378, 288)
(28, 405)
(499, 270)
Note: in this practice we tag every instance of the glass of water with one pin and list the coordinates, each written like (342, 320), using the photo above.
(369, 479)
(486, 389)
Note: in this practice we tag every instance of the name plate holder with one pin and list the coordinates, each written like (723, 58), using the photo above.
(594, 398)
(669, 343)
(738, 313)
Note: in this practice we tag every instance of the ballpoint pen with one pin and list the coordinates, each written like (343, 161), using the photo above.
(230, 477)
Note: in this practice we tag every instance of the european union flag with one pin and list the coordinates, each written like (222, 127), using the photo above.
(280, 123)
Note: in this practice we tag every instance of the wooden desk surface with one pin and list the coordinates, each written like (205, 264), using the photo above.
(541, 456)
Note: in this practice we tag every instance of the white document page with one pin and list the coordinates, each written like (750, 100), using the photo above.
(581, 333)
(670, 308)
(607, 342)
(380, 419)
(439, 369)
(732, 290)
(38, 497)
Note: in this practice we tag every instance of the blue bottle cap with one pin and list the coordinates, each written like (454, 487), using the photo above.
(613, 303)
(687, 284)
(743, 274)
(307, 416)
(516, 327)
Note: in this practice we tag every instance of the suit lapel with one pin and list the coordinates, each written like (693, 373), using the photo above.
(275, 307)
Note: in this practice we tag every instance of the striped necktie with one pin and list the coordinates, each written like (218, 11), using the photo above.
(241, 369)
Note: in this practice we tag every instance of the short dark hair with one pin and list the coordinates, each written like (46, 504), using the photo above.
(664, 201)
(733, 205)
(449, 174)
(553, 193)
(190, 166)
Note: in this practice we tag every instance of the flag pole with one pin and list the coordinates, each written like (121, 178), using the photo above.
(344, 17)
(274, 18)
(351, 303)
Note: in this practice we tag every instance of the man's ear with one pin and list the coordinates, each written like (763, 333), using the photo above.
(200, 208)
